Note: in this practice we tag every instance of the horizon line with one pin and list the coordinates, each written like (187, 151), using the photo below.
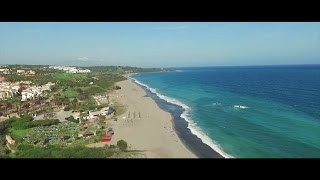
(208, 66)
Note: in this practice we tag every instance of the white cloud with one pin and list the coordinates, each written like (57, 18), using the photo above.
(83, 58)
(171, 28)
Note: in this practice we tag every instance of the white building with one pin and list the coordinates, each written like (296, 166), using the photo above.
(26, 95)
(5, 71)
(31, 72)
(35, 91)
(20, 71)
(70, 69)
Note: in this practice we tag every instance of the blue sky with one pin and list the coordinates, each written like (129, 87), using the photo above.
(170, 44)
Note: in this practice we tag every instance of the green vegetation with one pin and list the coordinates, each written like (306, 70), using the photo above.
(21, 123)
(49, 138)
(72, 119)
(91, 104)
(26, 122)
(17, 127)
(124, 69)
(18, 133)
(38, 79)
(44, 122)
(67, 108)
(70, 93)
(68, 76)
(58, 151)
(4, 151)
(122, 145)
(62, 151)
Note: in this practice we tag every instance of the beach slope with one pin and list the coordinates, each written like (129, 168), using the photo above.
(145, 126)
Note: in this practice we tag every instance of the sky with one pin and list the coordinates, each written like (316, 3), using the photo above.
(160, 44)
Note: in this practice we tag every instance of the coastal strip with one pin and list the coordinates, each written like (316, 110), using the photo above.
(189, 133)
(147, 128)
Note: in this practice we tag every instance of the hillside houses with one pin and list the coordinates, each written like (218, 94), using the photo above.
(5, 71)
(35, 91)
(24, 72)
(7, 89)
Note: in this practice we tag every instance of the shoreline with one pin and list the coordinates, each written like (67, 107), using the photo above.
(152, 133)
(181, 125)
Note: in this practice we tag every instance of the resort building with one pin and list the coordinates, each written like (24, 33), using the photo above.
(30, 72)
(70, 69)
(104, 111)
(5, 71)
(20, 71)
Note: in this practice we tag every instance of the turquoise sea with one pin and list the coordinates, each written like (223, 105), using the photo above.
(246, 112)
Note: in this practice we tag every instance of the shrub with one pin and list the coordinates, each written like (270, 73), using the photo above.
(109, 153)
(45, 122)
(67, 108)
(75, 100)
(122, 145)
(72, 119)
(21, 123)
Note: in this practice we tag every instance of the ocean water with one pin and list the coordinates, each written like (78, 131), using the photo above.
(246, 112)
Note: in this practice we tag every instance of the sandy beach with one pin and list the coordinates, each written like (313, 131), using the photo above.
(144, 125)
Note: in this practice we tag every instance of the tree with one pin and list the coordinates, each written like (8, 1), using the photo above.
(101, 120)
(74, 101)
(72, 119)
(122, 145)
(67, 108)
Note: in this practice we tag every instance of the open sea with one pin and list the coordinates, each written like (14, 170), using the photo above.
(242, 112)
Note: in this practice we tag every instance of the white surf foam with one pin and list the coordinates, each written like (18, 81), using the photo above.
(240, 106)
(191, 124)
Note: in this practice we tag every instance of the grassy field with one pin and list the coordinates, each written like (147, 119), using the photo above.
(94, 89)
(66, 76)
(18, 133)
(70, 93)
